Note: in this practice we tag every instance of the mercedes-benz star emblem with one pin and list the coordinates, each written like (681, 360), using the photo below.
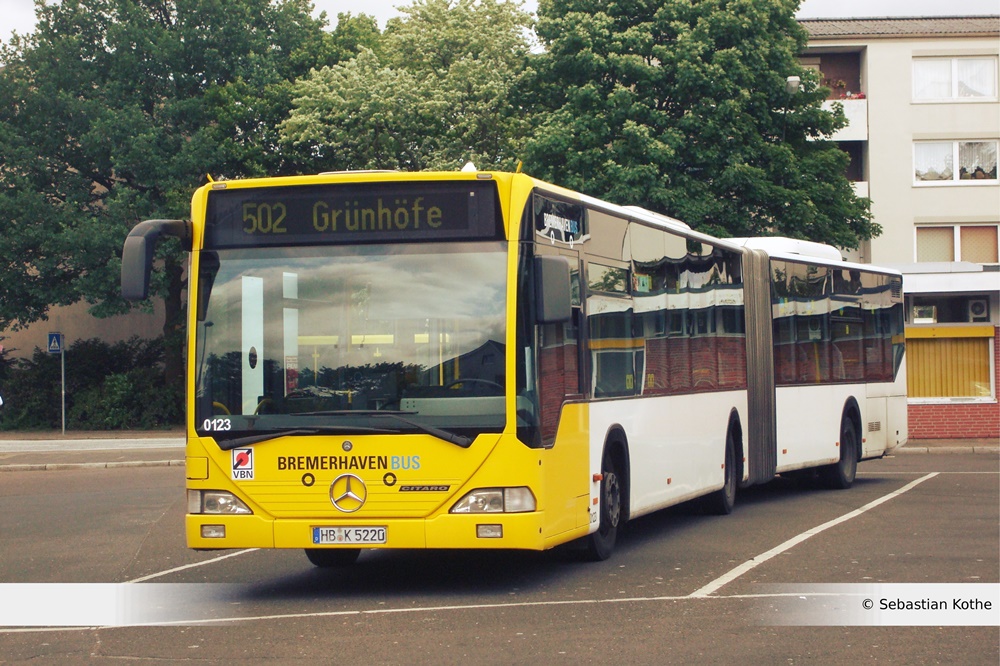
(348, 493)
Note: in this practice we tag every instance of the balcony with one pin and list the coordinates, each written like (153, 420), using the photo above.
(856, 111)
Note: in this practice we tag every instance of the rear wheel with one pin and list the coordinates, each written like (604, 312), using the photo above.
(721, 502)
(332, 557)
(601, 543)
(840, 475)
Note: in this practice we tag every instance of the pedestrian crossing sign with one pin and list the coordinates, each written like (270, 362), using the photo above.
(55, 343)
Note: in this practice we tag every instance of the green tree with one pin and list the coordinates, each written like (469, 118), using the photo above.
(440, 92)
(682, 107)
(113, 111)
(352, 35)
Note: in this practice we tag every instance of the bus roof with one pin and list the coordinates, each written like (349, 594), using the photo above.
(778, 245)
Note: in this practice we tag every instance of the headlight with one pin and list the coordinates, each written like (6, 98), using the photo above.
(216, 502)
(496, 500)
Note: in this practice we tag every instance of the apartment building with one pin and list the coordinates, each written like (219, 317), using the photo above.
(921, 95)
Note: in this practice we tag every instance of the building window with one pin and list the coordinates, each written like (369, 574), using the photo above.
(978, 244)
(975, 243)
(935, 244)
(949, 367)
(938, 79)
(934, 162)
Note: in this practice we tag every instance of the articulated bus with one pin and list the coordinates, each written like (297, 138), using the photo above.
(484, 360)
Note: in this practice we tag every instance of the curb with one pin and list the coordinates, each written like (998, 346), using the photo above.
(946, 449)
(47, 467)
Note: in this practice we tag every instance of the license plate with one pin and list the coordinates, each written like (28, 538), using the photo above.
(348, 535)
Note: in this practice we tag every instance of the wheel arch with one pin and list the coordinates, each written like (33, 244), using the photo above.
(735, 426)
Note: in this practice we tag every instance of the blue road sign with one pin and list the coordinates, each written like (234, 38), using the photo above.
(55, 343)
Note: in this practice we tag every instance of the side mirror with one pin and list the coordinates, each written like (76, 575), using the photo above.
(137, 254)
(553, 304)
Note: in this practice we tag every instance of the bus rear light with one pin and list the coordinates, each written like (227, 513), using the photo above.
(215, 502)
(496, 500)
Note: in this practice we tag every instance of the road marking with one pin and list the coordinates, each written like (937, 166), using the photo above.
(433, 609)
(749, 565)
(391, 611)
(191, 566)
(414, 609)
(705, 592)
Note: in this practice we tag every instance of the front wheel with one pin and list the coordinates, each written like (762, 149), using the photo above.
(840, 475)
(326, 558)
(601, 543)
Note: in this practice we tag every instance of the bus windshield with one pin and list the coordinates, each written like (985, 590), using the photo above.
(335, 336)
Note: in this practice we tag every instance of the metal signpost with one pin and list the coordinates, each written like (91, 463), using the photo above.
(56, 346)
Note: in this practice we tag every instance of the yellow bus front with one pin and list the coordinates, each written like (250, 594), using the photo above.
(353, 367)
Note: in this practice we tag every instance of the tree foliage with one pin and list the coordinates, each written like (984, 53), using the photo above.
(108, 387)
(354, 34)
(113, 112)
(681, 107)
(438, 93)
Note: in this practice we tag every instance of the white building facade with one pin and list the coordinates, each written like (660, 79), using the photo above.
(921, 95)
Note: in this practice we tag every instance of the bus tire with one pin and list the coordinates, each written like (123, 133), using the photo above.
(326, 558)
(601, 544)
(840, 475)
(722, 501)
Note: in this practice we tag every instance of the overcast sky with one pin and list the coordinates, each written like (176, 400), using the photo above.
(19, 15)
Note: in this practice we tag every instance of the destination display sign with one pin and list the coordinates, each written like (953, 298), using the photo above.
(352, 213)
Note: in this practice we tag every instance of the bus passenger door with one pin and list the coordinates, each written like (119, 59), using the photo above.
(563, 421)
(556, 343)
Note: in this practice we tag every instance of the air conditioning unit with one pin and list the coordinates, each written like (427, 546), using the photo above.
(979, 309)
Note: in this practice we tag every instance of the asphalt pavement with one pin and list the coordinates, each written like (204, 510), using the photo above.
(36, 451)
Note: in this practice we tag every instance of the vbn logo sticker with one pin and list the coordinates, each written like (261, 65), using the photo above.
(242, 464)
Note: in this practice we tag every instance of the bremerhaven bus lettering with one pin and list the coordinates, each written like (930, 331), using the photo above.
(307, 463)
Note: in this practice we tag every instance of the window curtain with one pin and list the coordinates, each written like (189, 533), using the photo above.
(976, 77)
(933, 161)
(931, 79)
(977, 160)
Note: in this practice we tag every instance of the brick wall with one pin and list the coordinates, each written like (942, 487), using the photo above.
(959, 420)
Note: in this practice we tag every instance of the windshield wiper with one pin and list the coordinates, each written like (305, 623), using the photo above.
(236, 442)
(450, 437)
(457, 440)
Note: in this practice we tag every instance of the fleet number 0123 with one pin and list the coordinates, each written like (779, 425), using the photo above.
(216, 425)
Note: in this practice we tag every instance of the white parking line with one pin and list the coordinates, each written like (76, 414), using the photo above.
(190, 566)
(705, 592)
(799, 538)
